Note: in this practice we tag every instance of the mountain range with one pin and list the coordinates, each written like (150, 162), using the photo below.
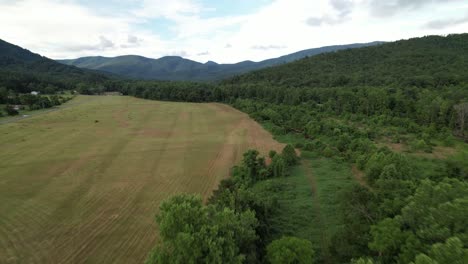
(180, 69)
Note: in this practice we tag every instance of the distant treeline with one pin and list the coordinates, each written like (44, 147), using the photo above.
(406, 106)
(15, 102)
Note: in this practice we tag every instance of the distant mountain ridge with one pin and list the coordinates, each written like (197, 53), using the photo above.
(180, 69)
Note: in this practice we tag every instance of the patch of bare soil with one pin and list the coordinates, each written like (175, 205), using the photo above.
(359, 176)
(397, 147)
(438, 152)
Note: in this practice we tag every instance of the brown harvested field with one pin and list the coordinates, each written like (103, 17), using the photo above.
(82, 185)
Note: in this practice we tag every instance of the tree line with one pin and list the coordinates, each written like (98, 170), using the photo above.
(28, 101)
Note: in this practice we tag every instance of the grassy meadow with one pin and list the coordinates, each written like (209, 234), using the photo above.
(82, 184)
(308, 206)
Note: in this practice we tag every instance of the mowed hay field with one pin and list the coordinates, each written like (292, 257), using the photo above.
(82, 184)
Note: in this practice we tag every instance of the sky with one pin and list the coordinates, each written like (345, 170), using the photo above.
(222, 31)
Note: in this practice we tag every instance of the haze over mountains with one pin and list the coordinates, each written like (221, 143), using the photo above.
(180, 69)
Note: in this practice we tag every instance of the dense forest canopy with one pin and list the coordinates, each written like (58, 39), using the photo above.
(433, 61)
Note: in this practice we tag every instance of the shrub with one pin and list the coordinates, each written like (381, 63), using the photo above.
(289, 155)
(309, 147)
(421, 145)
(290, 250)
(272, 153)
(328, 152)
(299, 145)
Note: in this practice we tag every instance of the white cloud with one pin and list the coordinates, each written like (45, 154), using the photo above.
(132, 39)
(63, 29)
(68, 29)
(168, 9)
(268, 47)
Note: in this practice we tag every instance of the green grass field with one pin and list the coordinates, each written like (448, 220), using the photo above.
(82, 184)
(308, 206)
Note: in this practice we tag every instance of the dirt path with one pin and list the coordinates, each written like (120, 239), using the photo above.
(316, 202)
(359, 176)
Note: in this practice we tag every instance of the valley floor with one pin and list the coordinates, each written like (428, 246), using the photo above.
(82, 185)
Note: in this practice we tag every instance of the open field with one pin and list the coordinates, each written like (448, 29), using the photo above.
(82, 185)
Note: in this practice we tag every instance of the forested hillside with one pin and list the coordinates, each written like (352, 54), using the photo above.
(395, 114)
(433, 61)
(22, 71)
(180, 69)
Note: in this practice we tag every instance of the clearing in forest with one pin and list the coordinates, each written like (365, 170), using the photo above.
(82, 185)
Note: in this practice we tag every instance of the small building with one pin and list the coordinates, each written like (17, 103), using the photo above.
(35, 93)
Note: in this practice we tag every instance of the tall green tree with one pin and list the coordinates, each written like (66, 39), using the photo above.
(289, 155)
(450, 252)
(194, 233)
(290, 250)
(386, 237)
(277, 166)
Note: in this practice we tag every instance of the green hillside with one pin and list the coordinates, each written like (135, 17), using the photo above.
(24, 71)
(421, 62)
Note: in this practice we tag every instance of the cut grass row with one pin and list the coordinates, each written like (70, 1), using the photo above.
(82, 185)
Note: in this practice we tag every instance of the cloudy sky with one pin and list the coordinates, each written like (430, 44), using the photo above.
(223, 31)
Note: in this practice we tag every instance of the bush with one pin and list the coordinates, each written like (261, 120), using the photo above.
(309, 147)
(328, 152)
(272, 153)
(421, 145)
(289, 155)
(318, 145)
(361, 161)
(290, 250)
(299, 145)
